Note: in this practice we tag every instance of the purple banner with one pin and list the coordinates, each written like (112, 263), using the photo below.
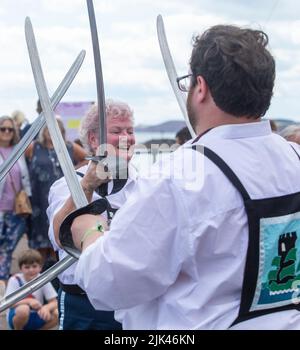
(71, 114)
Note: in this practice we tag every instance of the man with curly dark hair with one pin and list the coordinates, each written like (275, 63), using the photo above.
(210, 239)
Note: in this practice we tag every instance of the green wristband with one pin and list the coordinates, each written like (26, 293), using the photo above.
(97, 228)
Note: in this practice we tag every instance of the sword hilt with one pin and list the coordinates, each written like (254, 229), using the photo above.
(98, 159)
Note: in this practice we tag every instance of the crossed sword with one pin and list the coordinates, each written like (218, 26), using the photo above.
(47, 116)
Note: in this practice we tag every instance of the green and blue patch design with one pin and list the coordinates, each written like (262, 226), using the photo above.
(278, 282)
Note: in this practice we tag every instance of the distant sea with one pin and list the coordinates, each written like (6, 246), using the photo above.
(142, 137)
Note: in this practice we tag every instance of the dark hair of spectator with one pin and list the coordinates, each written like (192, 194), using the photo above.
(183, 136)
(29, 257)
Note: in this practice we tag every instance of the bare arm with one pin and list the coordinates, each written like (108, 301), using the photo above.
(89, 183)
(51, 305)
(84, 230)
(33, 303)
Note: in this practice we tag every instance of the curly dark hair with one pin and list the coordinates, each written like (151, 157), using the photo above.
(237, 68)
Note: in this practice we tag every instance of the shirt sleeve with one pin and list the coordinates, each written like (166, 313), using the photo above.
(58, 194)
(49, 291)
(141, 256)
(12, 285)
(296, 147)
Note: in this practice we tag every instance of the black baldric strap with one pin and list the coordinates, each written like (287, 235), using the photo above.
(199, 136)
(72, 289)
(219, 162)
(118, 184)
(103, 190)
(295, 151)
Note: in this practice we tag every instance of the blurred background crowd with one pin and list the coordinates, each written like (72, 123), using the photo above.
(38, 169)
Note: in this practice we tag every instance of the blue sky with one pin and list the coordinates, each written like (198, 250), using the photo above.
(132, 65)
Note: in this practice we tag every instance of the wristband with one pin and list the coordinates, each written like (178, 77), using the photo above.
(97, 228)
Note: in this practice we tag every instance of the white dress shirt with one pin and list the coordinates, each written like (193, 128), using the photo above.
(175, 254)
(59, 193)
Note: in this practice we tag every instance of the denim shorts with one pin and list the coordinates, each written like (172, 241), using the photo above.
(34, 321)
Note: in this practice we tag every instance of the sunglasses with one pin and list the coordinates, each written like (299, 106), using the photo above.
(3, 129)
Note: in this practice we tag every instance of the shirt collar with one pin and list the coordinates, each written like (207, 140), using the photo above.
(238, 131)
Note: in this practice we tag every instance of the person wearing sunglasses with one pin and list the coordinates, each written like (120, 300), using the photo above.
(12, 226)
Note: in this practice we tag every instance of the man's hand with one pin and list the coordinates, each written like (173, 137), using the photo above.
(44, 313)
(96, 175)
(35, 304)
(83, 223)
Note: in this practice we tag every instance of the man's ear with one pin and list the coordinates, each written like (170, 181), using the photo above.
(201, 88)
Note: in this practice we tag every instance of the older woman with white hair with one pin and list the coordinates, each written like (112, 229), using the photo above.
(12, 226)
(76, 311)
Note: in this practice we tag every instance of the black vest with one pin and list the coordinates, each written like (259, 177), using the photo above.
(272, 272)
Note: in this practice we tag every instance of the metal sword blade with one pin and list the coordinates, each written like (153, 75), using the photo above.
(171, 70)
(63, 264)
(57, 139)
(40, 121)
(65, 239)
(99, 78)
(65, 161)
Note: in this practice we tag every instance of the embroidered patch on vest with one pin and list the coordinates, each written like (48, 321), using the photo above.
(278, 282)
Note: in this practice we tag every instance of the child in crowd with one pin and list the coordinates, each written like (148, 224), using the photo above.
(32, 313)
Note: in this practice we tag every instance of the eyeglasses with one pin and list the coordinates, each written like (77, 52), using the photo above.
(184, 82)
(3, 129)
